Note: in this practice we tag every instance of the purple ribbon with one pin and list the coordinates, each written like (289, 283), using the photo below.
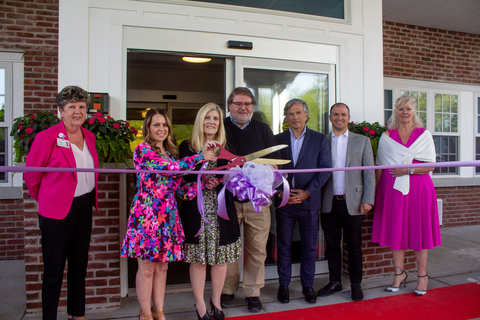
(241, 187)
(286, 190)
(200, 203)
(19, 169)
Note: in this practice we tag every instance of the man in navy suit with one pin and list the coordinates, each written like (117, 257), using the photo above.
(307, 149)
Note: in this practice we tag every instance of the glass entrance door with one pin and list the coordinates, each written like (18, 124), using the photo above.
(273, 83)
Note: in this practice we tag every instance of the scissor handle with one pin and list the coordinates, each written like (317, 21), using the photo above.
(221, 153)
(235, 160)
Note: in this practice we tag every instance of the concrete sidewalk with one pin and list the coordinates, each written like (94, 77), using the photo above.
(457, 261)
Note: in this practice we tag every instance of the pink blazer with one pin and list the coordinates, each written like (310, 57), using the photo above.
(54, 191)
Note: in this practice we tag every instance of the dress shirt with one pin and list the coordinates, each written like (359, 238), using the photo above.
(83, 159)
(242, 127)
(339, 156)
(296, 144)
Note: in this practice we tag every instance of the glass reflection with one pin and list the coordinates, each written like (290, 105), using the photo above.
(274, 88)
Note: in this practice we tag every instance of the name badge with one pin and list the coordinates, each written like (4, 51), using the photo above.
(63, 143)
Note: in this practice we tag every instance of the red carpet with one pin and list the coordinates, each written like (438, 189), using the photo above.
(458, 302)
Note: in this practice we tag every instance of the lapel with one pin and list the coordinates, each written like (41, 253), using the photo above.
(91, 147)
(68, 153)
(304, 148)
(288, 151)
(329, 140)
(350, 147)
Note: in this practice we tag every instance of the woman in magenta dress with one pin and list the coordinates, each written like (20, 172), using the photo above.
(154, 233)
(406, 213)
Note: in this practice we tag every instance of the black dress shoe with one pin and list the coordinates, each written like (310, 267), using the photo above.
(283, 294)
(357, 294)
(309, 294)
(225, 299)
(217, 313)
(254, 304)
(330, 288)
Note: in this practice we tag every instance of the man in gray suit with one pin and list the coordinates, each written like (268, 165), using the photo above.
(346, 197)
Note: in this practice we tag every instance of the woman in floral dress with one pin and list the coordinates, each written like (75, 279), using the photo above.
(154, 233)
(219, 243)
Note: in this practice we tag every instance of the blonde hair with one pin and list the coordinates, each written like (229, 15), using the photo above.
(198, 140)
(168, 142)
(393, 122)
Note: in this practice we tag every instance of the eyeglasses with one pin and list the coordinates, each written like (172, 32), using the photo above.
(240, 104)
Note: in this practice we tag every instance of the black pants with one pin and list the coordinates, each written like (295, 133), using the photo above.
(66, 239)
(332, 224)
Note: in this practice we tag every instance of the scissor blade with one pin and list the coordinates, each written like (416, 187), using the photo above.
(271, 161)
(264, 152)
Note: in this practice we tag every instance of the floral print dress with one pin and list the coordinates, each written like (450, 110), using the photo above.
(154, 230)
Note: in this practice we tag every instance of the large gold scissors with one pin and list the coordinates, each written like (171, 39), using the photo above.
(235, 160)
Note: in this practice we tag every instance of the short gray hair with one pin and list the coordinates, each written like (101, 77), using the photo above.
(290, 103)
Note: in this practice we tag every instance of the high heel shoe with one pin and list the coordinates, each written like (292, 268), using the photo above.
(205, 316)
(404, 281)
(144, 316)
(421, 292)
(160, 314)
(217, 313)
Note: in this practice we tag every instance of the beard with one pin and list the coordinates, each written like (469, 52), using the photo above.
(242, 120)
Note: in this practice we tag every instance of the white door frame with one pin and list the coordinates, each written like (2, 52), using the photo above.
(242, 63)
(270, 54)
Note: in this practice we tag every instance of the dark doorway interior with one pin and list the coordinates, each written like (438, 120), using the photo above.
(160, 80)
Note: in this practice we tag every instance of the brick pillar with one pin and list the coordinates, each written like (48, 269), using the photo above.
(33, 254)
(377, 260)
(103, 272)
(11, 230)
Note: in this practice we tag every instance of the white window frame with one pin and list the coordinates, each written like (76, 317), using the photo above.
(14, 85)
(476, 105)
(466, 119)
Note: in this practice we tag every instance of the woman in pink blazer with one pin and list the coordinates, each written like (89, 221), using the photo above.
(65, 201)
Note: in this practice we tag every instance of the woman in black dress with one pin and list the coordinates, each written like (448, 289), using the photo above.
(219, 243)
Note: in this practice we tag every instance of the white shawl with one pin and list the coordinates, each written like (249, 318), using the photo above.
(391, 152)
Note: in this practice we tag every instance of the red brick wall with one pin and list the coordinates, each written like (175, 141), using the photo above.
(421, 53)
(377, 260)
(103, 272)
(31, 26)
(11, 230)
(461, 205)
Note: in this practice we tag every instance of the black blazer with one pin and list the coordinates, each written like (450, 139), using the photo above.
(314, 154)
(190, 216)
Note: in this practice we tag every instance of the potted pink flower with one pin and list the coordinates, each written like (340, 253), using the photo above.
(371, 130)
(25, 129)
(113, 138)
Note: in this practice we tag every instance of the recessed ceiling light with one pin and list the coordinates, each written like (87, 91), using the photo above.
(196, 59)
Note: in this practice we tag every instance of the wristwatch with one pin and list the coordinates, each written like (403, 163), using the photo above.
(411, 171)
